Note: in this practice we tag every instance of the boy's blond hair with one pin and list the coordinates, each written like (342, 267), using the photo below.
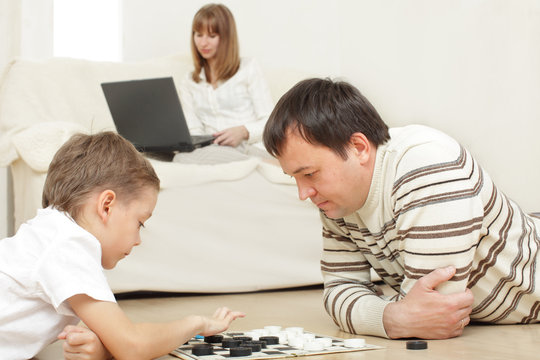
(89, 163)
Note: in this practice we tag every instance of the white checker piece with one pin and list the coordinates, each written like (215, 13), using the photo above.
(307, 344)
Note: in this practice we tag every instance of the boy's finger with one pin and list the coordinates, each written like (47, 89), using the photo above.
(233, 315)
(68, 329)
(76, 338)
(221, 312)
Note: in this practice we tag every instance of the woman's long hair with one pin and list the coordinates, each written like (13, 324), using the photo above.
(216, 19)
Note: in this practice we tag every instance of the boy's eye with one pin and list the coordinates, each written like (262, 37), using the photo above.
(141, 225)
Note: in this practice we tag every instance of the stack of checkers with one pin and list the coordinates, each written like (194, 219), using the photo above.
(268, 343)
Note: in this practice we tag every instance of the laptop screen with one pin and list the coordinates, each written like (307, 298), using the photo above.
(148, 113)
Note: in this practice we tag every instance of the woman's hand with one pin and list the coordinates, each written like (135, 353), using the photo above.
(232, 136)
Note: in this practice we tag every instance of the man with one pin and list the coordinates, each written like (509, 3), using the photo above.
(413, 205)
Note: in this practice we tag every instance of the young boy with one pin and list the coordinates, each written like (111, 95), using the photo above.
(98, 193)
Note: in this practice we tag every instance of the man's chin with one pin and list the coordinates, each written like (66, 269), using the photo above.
(335, 213)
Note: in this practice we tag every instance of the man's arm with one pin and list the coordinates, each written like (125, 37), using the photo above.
(438, 214)
(352, 300)
(350, 297)
(438, 220)
(127, 340)
(426, 313)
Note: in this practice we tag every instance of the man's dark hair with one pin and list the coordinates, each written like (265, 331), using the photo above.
(324, 112)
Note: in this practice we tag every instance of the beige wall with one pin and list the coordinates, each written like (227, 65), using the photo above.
(468, 67)
(9, 45)
(25, 30)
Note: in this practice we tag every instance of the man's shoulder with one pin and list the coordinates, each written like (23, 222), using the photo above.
(418, 155)
(416, 146)
(414, 135)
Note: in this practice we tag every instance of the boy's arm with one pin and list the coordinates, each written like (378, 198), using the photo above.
(128, 340)
(82, 343)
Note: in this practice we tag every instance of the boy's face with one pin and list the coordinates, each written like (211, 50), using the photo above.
(338, 187)
(122, 228)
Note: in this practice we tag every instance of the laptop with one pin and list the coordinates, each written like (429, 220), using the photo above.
(148, 113)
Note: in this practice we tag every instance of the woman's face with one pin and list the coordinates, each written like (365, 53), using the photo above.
(206, 43)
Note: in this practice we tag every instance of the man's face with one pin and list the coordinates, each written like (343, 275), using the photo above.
(338, 187)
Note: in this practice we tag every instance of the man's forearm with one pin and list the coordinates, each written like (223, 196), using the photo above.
(425, 313)
(355, 308)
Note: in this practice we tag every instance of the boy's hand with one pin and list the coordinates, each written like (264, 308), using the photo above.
(81, 343)
(220, 321)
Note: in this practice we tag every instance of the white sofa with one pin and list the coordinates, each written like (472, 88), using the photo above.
(230, 227)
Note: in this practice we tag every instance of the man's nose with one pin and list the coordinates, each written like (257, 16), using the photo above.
(305, 191)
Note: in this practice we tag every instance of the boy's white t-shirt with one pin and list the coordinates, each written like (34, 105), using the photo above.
(47, 261)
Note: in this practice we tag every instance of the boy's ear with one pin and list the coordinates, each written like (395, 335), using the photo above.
(106, 201)
(361, 147)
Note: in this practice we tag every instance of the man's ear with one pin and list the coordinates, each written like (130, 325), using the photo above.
(106, 202)
(360, 146)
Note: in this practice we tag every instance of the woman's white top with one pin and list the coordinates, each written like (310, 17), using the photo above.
(49, 260)
(244, 99)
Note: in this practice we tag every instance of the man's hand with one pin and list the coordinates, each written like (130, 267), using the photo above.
(231, 136)
(81, 343)
(427, 314)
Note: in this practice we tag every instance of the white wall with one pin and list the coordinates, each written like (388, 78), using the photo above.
(9, 45)
(25, 30)
(76, 34)
(279, 33)
(6, 205)
(470, 67)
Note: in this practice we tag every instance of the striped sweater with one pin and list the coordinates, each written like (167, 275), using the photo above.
(430, 205)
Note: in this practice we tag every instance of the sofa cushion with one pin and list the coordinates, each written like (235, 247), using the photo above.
(62, 89)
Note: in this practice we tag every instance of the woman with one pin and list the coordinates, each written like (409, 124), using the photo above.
(225, 95)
